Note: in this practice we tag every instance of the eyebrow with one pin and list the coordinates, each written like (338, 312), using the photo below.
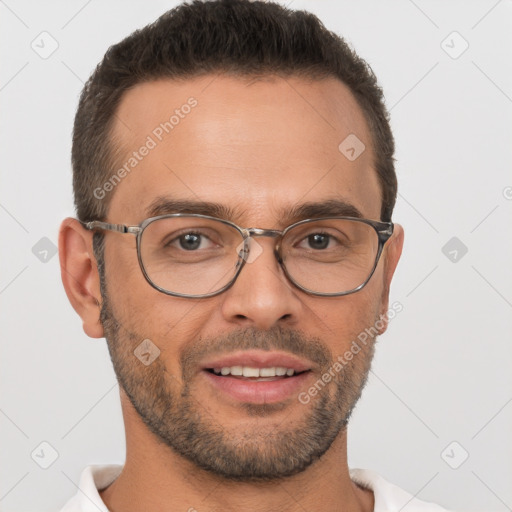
(164, 205)
(329, 208)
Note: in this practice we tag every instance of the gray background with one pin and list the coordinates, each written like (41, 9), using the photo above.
(442, 371)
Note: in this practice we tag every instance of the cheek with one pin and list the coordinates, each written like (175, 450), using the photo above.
(343, 319)
(144, 312)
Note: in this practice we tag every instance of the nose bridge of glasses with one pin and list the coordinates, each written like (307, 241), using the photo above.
(256, 249)
(253, 232)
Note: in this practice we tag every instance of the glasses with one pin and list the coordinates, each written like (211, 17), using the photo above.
(197, 256)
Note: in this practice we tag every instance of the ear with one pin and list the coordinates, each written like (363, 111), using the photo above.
(391, 256)
(80, 275)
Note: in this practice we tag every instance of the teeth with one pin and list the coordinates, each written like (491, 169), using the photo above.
(235, 370)
(249, 371)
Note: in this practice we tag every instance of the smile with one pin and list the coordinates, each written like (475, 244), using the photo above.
(257, 377)
(255, 374)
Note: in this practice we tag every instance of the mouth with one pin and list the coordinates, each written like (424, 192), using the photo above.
(254, 374)
(257, 377)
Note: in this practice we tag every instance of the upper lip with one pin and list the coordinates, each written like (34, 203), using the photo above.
(258, 359)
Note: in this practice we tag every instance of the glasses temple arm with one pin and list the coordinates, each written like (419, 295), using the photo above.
(120, 228)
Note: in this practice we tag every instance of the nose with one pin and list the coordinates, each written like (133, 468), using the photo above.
(262, 296)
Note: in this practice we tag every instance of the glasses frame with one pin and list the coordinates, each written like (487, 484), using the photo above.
(384, 231)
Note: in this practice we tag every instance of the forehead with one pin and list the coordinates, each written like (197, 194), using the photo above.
(258, 146)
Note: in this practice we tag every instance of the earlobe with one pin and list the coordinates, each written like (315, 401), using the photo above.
(79, 275)
(393, 251)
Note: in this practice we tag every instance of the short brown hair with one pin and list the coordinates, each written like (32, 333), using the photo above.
(236, 37)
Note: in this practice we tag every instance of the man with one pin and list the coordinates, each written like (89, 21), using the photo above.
(234, 185)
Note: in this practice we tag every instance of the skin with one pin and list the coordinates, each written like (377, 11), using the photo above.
(258, 147)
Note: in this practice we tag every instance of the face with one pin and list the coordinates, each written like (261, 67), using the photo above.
(257, 150)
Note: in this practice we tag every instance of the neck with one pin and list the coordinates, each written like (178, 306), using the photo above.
(157, 479)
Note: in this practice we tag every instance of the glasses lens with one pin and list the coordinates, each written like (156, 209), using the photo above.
(190, 255)
(330, 255)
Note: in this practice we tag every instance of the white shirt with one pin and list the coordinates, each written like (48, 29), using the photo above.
(388, 497)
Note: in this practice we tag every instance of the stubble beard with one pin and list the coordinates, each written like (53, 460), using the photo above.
(269, 450)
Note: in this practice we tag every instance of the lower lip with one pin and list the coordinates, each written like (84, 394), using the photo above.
(258, 392)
